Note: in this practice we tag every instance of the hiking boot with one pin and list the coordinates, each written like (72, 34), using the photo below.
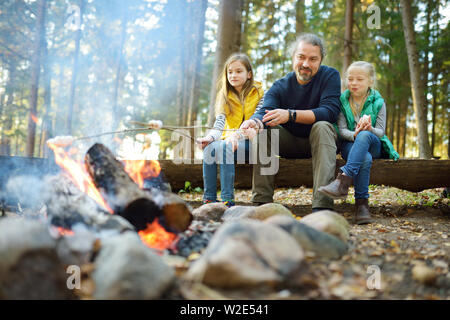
(362, 215)
(206, 201)
(338, 189)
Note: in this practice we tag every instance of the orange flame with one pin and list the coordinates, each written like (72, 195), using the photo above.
(65, 232)
(139, 170)
(77, 173)
(156, 237)
(34, 118)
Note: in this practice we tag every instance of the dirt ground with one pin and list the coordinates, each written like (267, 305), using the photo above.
(404, 254)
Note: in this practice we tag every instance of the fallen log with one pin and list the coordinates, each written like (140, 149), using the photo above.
(126, 199)
(408, 174)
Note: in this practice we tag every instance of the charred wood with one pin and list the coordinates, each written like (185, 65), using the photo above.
(126, 199)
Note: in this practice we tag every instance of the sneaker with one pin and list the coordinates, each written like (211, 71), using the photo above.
(206, 201)
(228, 203)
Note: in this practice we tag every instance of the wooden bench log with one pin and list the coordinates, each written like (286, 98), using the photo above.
(408, 174)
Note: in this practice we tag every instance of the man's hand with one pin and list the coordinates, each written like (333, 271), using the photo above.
(275, 117)
(203, 142)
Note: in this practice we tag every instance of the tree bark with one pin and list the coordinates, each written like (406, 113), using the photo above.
(35, 70)
(228, 41)
(417, 88)
(5, 145)
(199, 19)
(408, 174)
(348, 38)
(300, 16)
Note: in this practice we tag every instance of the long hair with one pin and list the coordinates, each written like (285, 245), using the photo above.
(224, 87)
(369, 69)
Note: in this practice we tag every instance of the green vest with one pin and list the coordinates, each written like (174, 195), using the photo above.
(372, 106)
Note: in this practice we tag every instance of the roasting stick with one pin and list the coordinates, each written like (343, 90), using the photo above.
(64, 141)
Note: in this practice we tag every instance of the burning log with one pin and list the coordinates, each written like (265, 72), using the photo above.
(126, 199)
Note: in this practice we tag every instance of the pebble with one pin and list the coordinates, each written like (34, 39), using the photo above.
(424, 274)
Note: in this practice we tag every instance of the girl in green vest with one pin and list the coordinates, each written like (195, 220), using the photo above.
(237, 98)
(361, 124)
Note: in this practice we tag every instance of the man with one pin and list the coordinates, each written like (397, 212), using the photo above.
(302, 105)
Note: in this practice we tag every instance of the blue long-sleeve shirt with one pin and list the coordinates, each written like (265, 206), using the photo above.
(320, 95)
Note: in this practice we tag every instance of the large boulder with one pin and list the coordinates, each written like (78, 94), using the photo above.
(319, 243)
(247, 253)
(30, 267)
(329, 222)
(127, 269)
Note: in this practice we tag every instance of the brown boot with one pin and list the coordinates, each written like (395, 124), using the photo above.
(338, 189)
(362, 215)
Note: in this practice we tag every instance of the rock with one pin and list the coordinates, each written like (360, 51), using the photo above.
(237, 212)
(30, 267)
(268, 210)
(127, 269)
(247, 253)
(210, 211)
(258, 213)
(311, 240)
(424, 274)
(329, 222)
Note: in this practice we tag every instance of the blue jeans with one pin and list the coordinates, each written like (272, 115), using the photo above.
(359, 155)
(219, 153)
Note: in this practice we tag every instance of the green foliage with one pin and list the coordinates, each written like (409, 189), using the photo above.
(189, 189)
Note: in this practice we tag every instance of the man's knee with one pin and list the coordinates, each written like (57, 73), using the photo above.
(322, 132)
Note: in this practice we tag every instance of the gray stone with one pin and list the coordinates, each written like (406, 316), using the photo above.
(311, 240)
(209, 211)
(329, 222)
(247, 253)
(237, 212)
(258, 213)
(127, 269)
(30, 267)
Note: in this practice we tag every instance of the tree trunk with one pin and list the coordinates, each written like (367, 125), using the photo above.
(228, 41)
(348, 34)
(35, 70)
(5, 146)
(418, 91)
(300, 16)
(199, 30)
(73, 82)
(47, 129)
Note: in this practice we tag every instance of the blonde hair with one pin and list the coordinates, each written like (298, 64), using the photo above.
(224, 87)
(369, 69)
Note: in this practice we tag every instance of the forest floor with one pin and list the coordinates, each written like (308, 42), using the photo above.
(407, 245)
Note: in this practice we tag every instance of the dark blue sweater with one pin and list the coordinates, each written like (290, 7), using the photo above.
(321, 95)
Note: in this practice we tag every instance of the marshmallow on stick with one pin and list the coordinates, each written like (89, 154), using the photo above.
(61, 141)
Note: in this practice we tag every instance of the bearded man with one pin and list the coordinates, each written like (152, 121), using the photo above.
(302, 106)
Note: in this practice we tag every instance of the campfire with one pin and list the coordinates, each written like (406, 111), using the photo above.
(118, 188)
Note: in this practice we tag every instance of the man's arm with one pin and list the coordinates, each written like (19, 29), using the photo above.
(329, 104)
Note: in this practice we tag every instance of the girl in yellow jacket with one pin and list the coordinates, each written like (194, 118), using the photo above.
(237, 98)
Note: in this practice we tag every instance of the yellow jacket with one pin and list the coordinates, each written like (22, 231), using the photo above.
(242, 112)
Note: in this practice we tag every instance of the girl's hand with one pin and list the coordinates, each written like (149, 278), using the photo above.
(234, 140)
(203, 142)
